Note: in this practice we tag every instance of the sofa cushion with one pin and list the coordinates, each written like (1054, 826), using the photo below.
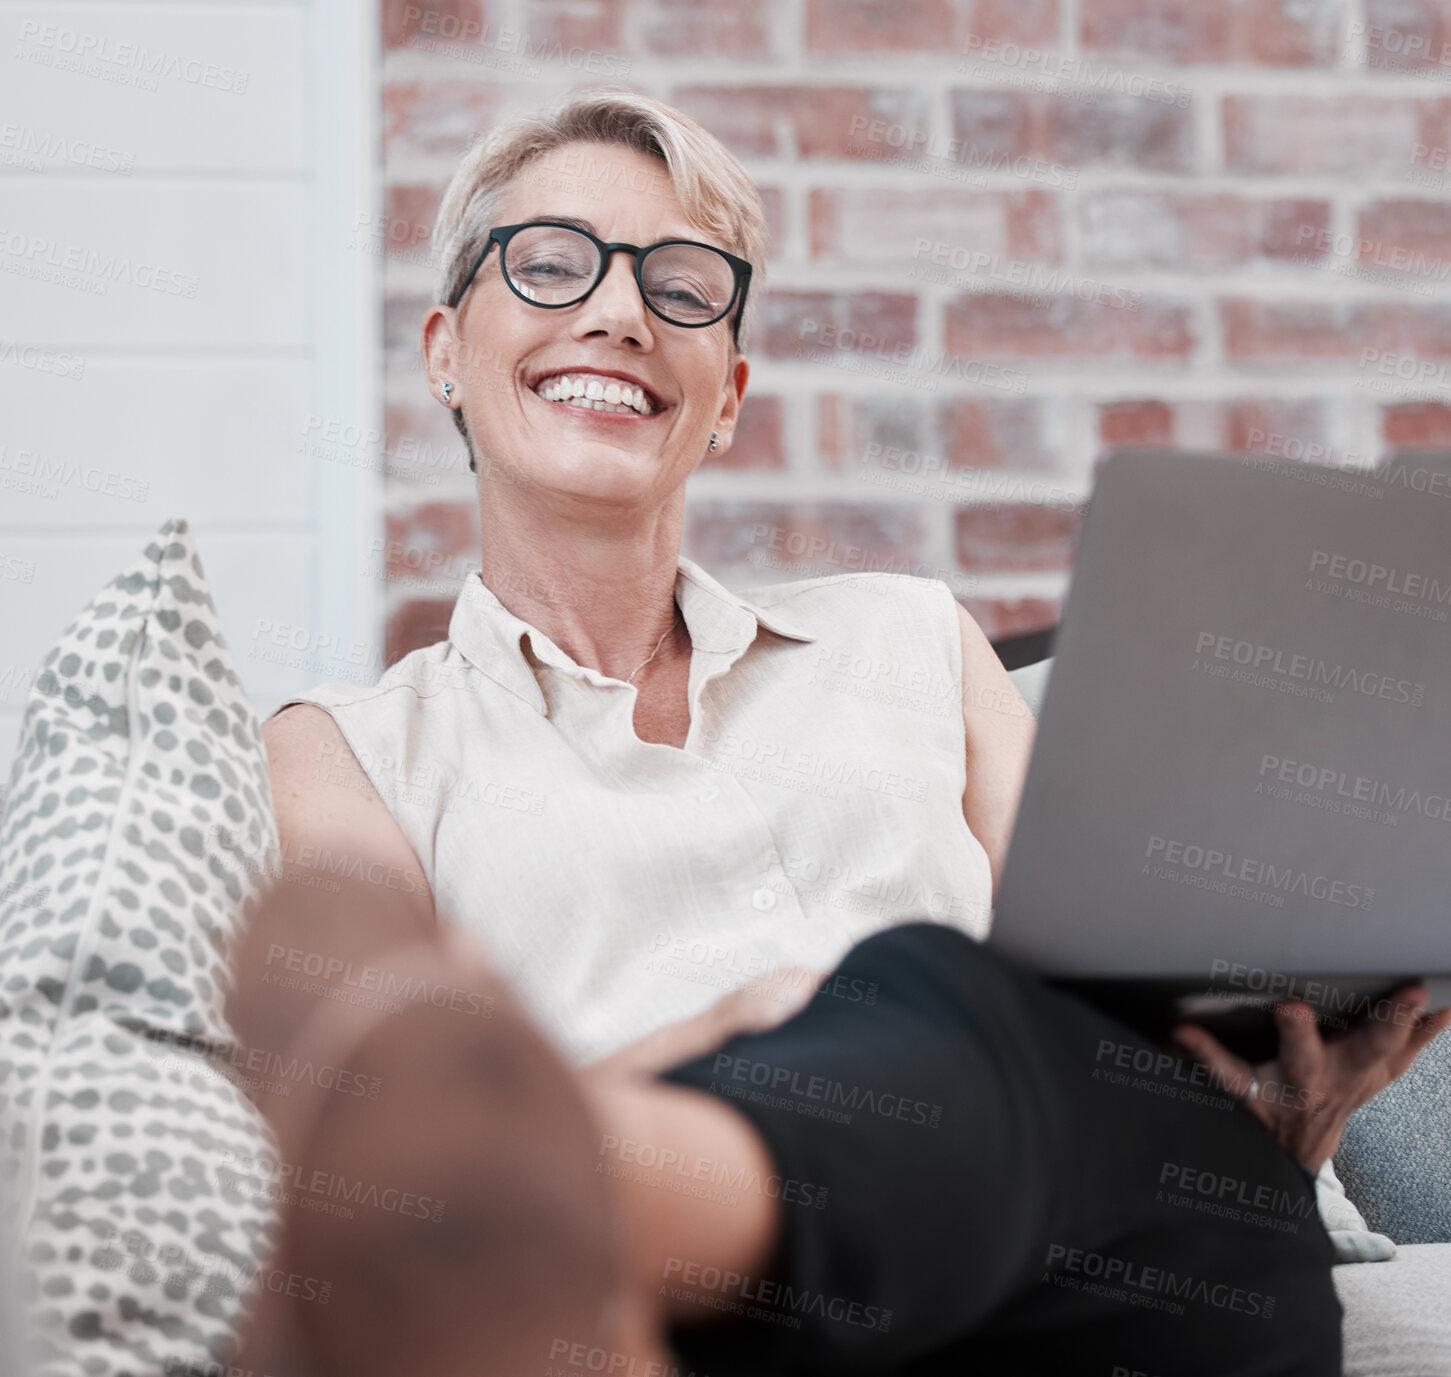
(137, 796)
(1395, 1321)
(1395, 1155)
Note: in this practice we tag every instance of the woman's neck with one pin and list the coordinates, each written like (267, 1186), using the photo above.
(605, 598)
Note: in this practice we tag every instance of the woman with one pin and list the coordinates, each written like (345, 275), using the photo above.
(635, 789)
(664, 789)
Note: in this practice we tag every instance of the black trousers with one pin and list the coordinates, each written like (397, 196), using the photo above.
(979, 1174)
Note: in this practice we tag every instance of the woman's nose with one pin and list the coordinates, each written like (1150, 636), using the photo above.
(615, 304)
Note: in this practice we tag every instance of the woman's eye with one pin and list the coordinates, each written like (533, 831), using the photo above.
(681, 295)
(556, 269)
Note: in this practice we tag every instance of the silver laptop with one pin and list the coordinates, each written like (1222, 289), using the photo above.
(1240, 788)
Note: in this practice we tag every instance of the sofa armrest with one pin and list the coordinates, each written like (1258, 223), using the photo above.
(1015, 652)
(1032, 682)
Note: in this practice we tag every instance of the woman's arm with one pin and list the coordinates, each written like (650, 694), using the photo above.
(331, 822)
(1000, 728)
(329, 814)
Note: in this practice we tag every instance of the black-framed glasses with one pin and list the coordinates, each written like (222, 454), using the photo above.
(552, 263)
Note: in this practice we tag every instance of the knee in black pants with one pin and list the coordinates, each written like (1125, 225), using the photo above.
(955, 1224)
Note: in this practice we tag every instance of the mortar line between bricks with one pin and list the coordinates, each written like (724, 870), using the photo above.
(1342, 426)
(1352, 47)
(725, 486)
(1208, 356)
(1130, 381)
(1310, 283)
(657, 73)
(775, 376)
(1334, 82)
(1031, 583)
(424, 170)
(1208, 124)
(1344, 213)
(1069, 206)
(788, 30)
(1127, 385)
(939, 546)
(1365, 423)
(795, 209)
(798, 433)
(1070, 25)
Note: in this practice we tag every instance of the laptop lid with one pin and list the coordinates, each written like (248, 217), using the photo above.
(1244, 751)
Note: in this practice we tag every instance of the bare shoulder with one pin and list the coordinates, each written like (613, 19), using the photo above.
(990, 700)
(349, 885)
(309, 760)
(325, 802)
(999, 730)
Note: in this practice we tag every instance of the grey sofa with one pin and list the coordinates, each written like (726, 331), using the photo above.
(1395, 1164)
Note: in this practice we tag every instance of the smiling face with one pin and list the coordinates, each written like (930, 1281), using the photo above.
(527, 377)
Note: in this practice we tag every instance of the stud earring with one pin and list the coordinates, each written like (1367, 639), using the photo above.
(712, 442)
(447, 390)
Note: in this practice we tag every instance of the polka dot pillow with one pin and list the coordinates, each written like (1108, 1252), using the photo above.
(137, 793)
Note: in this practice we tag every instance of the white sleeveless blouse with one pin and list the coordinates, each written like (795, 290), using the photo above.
(620, 885)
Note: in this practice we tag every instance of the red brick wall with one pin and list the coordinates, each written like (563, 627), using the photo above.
(1006, 234)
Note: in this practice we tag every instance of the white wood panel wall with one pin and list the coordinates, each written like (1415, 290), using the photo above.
(184, 318)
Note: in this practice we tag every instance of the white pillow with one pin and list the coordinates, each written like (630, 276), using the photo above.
(1353, 1242)
(120, 895)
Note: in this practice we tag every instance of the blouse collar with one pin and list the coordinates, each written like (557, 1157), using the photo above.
(489, 636)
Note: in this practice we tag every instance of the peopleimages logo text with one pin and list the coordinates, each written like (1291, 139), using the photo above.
(1273, 660)
(137, 57)
(1116, 1271)
(1381, 578)
(1284, 879)
(1378, 793)
(774, 1300)
(784, 1080)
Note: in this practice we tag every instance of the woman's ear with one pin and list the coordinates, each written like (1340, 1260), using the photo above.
(442, 353)
(732, 393)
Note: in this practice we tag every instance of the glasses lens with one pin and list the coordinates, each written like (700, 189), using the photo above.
(688, 283)
(550, 264)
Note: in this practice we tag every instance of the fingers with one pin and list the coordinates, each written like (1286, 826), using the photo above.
(795, 990)
(1302, 1050)
(1311, 1087)
(770, 1000)
(1428, 1027)
(1386, 1037)
(1382, 1048)
(1431, 1027)
(754, 1008)
(1235, 1075)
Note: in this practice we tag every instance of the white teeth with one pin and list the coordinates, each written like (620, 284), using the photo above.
(598, 393)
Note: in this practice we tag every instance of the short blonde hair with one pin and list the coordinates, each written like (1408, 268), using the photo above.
(715, 191)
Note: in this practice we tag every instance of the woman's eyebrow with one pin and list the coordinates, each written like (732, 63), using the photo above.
(578, 223)
(573, 220)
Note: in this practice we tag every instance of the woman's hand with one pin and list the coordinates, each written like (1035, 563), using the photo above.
(764, 1003)
(1307, 1093)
